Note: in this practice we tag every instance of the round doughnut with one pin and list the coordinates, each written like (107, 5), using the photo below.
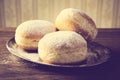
(74, 20)
(62, 47)
(30, 32)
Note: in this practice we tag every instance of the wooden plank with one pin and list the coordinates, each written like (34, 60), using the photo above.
(35, 9)
(51, 11)
(13, 68)
(10, 13)
(26, 10)
(2, 20)
(84, 4)
(107, 12)
(18, 12)
(99, 13)
(43, 9)
(118, 15)
(75, 4)
(92, 9)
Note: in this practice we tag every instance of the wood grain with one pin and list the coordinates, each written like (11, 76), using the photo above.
(26, 10)
(118, 15)
(14, 68)
(91, 9)
(2, 17)
(105, 13)
(10, 13)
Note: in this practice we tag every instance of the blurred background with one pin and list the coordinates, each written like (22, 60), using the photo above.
(105, 13)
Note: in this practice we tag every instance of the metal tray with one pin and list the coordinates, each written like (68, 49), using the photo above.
(98, 54)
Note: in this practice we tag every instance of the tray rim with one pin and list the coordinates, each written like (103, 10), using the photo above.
(51, 65)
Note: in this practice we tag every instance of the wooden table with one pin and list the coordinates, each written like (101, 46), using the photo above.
(14, 68)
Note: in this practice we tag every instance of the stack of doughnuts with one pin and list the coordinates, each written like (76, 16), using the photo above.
(68, 45)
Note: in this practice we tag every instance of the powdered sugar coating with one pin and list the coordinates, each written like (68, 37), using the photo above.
(35, 27)
(30, 32)
(75, 20)
(62, 47)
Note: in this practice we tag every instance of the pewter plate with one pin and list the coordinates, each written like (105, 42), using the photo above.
(98, 54)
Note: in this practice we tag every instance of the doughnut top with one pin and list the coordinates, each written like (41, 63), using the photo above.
(63, 40)
(35, 28)
(74, 20)
(62, 47)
